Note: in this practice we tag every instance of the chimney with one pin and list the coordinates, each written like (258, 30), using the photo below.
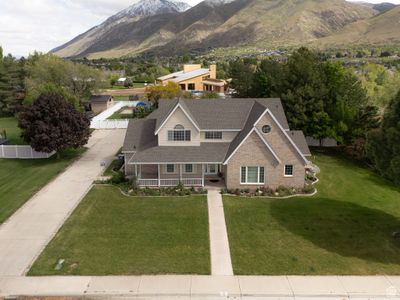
(213, 71)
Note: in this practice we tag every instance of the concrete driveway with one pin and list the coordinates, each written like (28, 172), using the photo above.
(25, 234)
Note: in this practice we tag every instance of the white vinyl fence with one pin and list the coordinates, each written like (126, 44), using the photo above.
(22, 152)
(101, 121)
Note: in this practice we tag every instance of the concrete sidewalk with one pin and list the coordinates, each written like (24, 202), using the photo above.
(221, 263)
(25, 234)
(214, 287)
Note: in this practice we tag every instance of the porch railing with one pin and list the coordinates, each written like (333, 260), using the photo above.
(170, 182)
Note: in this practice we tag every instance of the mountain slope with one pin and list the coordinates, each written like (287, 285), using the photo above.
(216, 23)
(381, 29)
(265, 22)
(130, 16)
(381, 7)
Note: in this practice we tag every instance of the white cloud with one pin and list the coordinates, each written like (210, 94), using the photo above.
(44, 24)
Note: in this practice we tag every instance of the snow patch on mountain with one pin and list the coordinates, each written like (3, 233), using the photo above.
(146, 8)
(218, 2)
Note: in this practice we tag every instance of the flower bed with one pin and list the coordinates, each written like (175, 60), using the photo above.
(267, 192)
(130, 188)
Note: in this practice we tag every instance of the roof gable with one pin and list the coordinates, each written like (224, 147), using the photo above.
(253, 119)
(285, 133)
(185, 110)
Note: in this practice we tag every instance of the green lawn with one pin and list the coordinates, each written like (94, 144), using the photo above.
(345, 229)
(20, 179)
(113, 234)
(10, 125)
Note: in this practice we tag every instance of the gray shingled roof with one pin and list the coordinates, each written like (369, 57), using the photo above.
(238, 114)
(299, 139)
(140, 135)
(205, 153)
(220, 114)
(99, 98)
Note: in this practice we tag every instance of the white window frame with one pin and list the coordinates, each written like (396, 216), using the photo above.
(284, 171)
(167, 171)
(258, 175)
(213, 135)
(184, 169)
(179, 129)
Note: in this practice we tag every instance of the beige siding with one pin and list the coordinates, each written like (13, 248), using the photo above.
(227, 137)
(254, 152)
(178, 117)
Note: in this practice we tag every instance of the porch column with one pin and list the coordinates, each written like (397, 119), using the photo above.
(158, 174)
(136, 173)
(180, 173)
(202, 175)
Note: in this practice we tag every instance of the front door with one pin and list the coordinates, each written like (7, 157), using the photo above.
(211, 169)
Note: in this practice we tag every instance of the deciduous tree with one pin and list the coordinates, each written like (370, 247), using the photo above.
(51, 123)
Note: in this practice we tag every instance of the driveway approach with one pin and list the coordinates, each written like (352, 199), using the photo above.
(25, 234)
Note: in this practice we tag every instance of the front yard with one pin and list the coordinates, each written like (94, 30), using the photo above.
(346, 229)
(21, 179)
(111, 234)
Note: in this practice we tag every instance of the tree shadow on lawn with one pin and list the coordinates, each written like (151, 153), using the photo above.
(341, 227)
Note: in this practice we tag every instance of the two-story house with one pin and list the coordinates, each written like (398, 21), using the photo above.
(247, 142)
(196, 78)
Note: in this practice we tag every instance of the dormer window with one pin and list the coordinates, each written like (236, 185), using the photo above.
(179, 134)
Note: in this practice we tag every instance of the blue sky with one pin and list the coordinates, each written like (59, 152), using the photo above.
(44, 24)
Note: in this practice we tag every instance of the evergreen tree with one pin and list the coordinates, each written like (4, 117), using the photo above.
(383, 144)
(322, 98)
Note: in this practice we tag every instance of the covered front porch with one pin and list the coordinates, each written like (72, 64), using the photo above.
(168, 175)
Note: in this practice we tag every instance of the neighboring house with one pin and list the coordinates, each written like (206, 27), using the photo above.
(196, 78)
(245, 141)
(100, 103)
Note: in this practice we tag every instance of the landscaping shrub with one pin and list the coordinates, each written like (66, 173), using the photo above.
(281, 191)
(117, 178)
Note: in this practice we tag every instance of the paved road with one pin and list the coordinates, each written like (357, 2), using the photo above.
(210, 287)
(25, 234)
(219, 244)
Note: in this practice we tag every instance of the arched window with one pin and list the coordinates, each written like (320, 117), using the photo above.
(179, 134)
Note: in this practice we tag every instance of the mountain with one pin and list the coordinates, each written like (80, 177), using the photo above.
(128, 17)
(380, 29)
(225, 23)
(381, 7)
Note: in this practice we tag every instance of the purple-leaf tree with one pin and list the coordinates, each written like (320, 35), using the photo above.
(51, 123)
